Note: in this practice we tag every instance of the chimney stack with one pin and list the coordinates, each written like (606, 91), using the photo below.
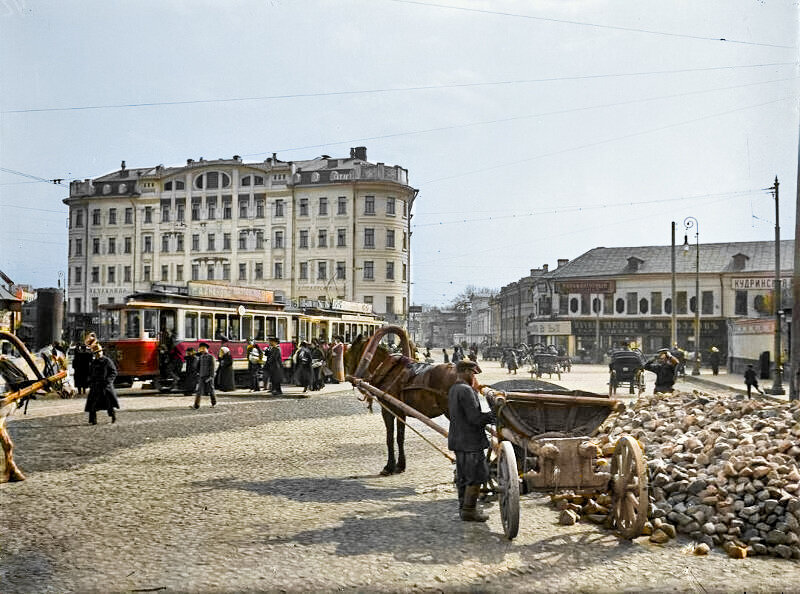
(545, 267)
(562, 262)
(359, 152)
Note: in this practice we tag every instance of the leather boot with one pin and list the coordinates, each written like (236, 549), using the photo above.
(461, 490)
(470, 511)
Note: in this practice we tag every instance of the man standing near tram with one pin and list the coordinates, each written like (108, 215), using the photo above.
(205, 368)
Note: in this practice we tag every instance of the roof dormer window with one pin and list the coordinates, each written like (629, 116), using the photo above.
(634, 264)
(740, 261)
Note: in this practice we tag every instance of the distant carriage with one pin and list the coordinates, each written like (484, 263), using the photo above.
(626, 368)
(545, 363)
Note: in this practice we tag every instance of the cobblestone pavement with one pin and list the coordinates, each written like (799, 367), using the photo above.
(282, 494)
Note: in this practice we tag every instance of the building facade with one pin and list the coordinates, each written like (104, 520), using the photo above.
(320, 229)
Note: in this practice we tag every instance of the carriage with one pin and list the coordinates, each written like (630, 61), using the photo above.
(626, 368)
(545, 363)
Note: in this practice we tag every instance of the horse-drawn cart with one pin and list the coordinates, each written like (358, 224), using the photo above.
(626, 367)
(545, 363)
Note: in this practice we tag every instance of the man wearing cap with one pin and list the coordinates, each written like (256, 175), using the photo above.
(205, 369)
(274, 366)
(663, 365)
(467, 438)
(102, 395)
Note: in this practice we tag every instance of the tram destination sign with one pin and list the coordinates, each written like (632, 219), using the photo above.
(353, 306)
(585, 286)
(229, 292)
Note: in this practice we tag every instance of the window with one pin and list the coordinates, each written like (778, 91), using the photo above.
(242, 271)
(128, 245)
(179, 272)
(369, 205)
(244, 202)
(211, 207)
(303, 270)
(180, 206)
(259, 240)
(390, 305)
(390, 271)
(278, 270)
(322, 270)
(78, 223)
(246, 180)
(680, 304)
(165, 243)
(369, 238)
(195, 272)
(390, 206)
(405, 276)
(369, 270)
(368, 299)
(340, 271)
(168, 186)
(278, 239)
(212, 180)
(78, 274)
(341, 205)
(96, 245)
(259, 271)
(668, 305)
(242, 240)
(129, 216)
(279, 208)
(226, 272)
(165, 211)
(692, 304)
(323, 206)
(303, 239)
(96, 216)
(179, 242)
(111, 273)
(195, 242)
(148, 214)
(211, 241)
(77, 305)
(643, 305)
(341, 237)
(112, 216)
(740, 303)
(405, 241)
(303, 207)
(707, 302)
(390, 238)
(227, 208)
(195, 209)
(95, 303)
(258, 180)
(147, 273)
(78, 247)
(620, 305)
(322, 238)
(405, 211)
(632, 302)
(164, 272)
(126, 274)
(259, 208)
(574, 305)
(112, 245)
(148, 244)
(210, 272)
(655, 301)
(226, 241)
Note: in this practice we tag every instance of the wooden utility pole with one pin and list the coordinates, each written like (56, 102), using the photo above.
(673, 336)
(777, 384)
(795, 328)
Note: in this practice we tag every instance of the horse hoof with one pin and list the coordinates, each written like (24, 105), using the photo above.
(16, 477)
(386, 472)
(400, 470)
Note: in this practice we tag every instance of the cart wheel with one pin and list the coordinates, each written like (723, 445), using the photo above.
(508, 489)
(612, 383)
(628, 488)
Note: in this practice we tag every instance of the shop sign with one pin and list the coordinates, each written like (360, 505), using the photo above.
(755, 282)
(232, 293)
(563, 328)
(341, 305)
(754, 327)
(585, 286)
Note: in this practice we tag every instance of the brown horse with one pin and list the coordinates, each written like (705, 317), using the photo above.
(420, 385)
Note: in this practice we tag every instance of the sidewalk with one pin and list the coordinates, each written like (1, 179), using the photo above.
(731, 382)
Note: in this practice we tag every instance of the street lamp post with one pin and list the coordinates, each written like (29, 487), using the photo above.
(688, 223)
(777, 385)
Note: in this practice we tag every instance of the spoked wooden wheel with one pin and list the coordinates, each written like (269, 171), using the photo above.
(508, 489)
(628, 488)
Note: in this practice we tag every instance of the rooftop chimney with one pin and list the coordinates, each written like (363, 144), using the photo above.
(562, 262)
(359, 152)
(122, 169)
(189, 161)
(545, 267)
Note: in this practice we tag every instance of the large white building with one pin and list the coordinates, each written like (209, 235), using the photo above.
(321, 229)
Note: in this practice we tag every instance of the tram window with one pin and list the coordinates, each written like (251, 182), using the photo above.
(221, 325)
(271, 327)
(247, 327)
(206, 321)
(151, 323)
(190, 325)
(282, 333)
(259, 327)
(132, 324)
(233, 328)
(168, 321)
(110, 325)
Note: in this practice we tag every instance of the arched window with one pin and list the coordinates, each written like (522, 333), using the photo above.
(212, 180)
(596, 303)
(643, 305)
(668, 305)
(620, 305)
(693, 304)
(246, 180)
(573, 305)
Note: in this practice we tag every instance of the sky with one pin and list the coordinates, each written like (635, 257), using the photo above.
(533, 131)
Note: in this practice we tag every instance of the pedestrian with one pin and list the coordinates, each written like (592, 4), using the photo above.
(274, 366)
(663, 365)
(255, 360)
(190, 378)
(81, 364)
(467, 438)
(317, 360)
(511, 361)
(225, 380)
(714, 360)
(205, 372)
(102, 395)
(751, 381)
(304, 375)
(458, 354)
(446, 358)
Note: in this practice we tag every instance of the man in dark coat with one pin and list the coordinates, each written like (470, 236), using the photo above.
(205, 371)
(751, 380)
(304, 376)
(225, 370)
(102, 395)
(663, 365)
(81, 363)
(190, 381)
(467, 438)
(714, 360)
(274, 366)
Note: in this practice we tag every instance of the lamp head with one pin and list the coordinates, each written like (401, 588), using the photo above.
(686, 243)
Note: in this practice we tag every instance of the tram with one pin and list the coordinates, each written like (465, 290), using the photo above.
(150, 330)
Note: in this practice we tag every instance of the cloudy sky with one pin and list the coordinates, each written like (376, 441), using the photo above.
(533, 130)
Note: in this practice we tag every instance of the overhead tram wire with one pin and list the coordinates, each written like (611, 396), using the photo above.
(385, 90)
(588, 24)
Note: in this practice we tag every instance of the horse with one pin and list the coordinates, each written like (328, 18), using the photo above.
(46, 370)
(422, 386)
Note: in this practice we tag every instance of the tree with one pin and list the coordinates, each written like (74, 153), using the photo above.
(463, 301)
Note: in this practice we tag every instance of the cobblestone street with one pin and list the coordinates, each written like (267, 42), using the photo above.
(283, 494)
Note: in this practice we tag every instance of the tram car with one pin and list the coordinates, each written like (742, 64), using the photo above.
(148, 334)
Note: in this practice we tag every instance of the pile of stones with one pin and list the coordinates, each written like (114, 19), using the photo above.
(722, 469)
